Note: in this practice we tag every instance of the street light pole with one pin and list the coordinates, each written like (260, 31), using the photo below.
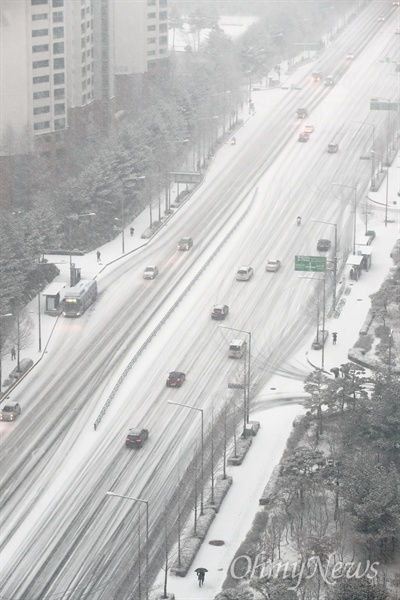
(247, 376)
(387, 183)
(71, 218)
(354, 188)
(323, 316)
(202, 450)
(373, 147)
(146, 502)
(1, 346)
(334, 260)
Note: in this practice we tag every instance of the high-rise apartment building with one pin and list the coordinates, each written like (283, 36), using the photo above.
(140, 46)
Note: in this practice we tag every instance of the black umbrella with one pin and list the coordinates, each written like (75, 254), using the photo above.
(201, 570)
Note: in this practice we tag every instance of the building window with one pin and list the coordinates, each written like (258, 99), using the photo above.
(58, 17)
(44, 94)
(151, 15)
(39, 32)
(163, 27)
(163, 3)
(82, 13)
(41, 79)
(59, 78)
(40, 64)
(58, 32)
(151, 53)
(163, 39)
(162, 51)
(83, 28)
(163, 15)
(58, 63)
(38, 2)
(84, 99)
(58, 48)
(40, 17)
(42, 125)
(59, 94)
(41, 48)
(59, 123)
(59, 109)
(83, 71)
(39, 110)
(151, 40)
(151, 28)
(151, 2)
(58, 3)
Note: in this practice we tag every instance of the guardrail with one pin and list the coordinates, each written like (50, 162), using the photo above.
(169, 313)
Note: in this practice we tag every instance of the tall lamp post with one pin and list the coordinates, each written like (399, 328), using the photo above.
(72, 218)
(248, 378)
(1, 346)
(146, 502)
(373, 146)
(168, 190)
(334, 259)
(354, 188)
(387, 183)
(122, 219)
(202, 450)
(323, 316)
(215, 117)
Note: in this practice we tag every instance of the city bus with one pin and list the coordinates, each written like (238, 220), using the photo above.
(78, 298)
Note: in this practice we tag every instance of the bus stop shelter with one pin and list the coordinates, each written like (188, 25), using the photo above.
(52, 295)
(354, 262)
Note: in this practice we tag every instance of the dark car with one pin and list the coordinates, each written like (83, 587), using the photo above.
(10, 411)
(302, 113)
(175, 379)
(185, 243)
(220, 311)
(316, 76)
(136, 437)
(323, 245)
(303, 136)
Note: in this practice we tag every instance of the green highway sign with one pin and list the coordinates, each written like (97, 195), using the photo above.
(310, 263)
(376, 104)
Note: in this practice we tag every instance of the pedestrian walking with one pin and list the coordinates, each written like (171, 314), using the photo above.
(201, 572)
(13, 353)
(132, 231)
(98, 255)
(334, 337)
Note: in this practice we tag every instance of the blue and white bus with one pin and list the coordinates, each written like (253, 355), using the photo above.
(78, 298)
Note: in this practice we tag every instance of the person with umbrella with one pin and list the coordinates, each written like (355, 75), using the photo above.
(201, 572)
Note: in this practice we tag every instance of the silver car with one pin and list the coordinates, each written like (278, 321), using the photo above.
(150, 272)
(244, 273)
(10, 411)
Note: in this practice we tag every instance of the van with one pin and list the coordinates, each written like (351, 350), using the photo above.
(237, 349)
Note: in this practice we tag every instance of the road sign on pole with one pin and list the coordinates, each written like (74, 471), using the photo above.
(376, 104)
(310, 263)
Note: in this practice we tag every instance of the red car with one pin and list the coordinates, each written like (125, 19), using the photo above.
(304, 136)
(175, 379)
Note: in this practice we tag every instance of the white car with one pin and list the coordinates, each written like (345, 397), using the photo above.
(350, 56)
(244, 273)
(150, 272)
(10, 411)
(273, 265)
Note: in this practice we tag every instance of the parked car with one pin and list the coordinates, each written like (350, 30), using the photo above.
(308, 128)
(273, 265)
(150, 272)
(136, 437)
(302, 113)
(220, 311)
(303, 137)
(324, 245)
(10, 411)
(175, 379)
(332, 148)
(244, 273)
(185, 243)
